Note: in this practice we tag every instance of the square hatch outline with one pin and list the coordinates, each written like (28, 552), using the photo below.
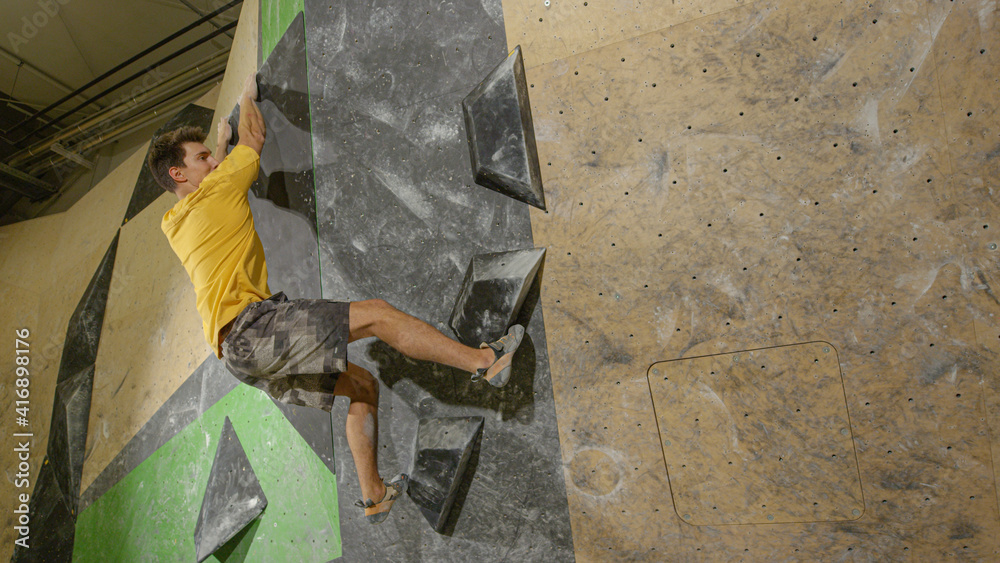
(687, 506)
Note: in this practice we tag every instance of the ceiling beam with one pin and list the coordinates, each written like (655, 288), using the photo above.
(24, 184)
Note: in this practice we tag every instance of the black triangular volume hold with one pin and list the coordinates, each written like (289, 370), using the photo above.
(233, 497)
(84, 330)
(492, 293)
(442, 451)
(501, 135)
(68, 434)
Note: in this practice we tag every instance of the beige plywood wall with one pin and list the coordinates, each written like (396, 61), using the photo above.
(771, 175)
(46, 265)
(151, 342)
(548, 30)
(26, 250)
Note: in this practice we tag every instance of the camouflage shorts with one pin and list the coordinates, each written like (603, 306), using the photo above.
(291, 349)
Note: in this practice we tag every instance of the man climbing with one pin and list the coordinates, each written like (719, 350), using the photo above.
(295, 350)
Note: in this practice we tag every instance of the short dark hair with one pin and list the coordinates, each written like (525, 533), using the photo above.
(167, 151)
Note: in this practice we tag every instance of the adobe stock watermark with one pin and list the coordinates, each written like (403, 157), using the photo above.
(47, 11)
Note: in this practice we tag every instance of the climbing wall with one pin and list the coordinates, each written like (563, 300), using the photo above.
(768, 290)
(400, 218)
(47, 266)
(772, 248)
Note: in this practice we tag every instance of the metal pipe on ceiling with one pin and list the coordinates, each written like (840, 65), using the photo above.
(134, 123)
(153, 115)
(81, 89)
(169, 57)
(195, 9)
(155, 95)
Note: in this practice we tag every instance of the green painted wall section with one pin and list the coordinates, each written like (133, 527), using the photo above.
(275, 15)
(151, 514)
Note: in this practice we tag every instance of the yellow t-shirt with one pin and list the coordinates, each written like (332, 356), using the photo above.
(212, 231)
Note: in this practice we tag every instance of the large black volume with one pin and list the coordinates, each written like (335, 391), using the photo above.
(501, 135)
(443, 448)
